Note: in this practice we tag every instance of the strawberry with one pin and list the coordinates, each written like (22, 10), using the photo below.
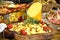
(23, 32)
(46, 28)
(9, 26)
(41, 22)
(21, 19)
(49, 28)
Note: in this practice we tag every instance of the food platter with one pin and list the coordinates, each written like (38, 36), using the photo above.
(29, 32)
(8, 11)
(47, 36)
(8, 8)
(26, 23)
(54, 16)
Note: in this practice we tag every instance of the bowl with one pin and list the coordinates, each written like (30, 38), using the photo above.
(44, 36)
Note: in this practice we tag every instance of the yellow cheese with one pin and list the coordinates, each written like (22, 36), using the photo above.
(35, 11)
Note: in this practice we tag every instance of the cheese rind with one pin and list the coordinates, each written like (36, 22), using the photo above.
(35, 11)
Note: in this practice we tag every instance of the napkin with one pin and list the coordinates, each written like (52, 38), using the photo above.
(2, 27)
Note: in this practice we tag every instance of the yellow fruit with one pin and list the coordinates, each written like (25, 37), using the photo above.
(39, 29)
(41, 32)
(35, 11)
(19, 14)
(14, 16)
(31, 26)
(28, 31)
(33, 31)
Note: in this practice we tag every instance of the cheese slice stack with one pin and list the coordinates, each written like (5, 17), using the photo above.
(35, 11)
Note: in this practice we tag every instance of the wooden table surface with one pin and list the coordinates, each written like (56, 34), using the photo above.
(57, 36)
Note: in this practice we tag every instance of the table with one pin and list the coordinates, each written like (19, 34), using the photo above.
(57, 36)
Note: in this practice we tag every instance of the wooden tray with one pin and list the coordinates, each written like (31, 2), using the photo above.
(46, 36)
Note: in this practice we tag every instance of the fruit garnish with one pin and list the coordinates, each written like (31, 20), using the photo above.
(46, 28)
(9, 26)
(23, 32)
(42, 22)
(21, 19)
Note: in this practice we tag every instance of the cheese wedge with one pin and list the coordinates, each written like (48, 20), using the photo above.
(35, 11)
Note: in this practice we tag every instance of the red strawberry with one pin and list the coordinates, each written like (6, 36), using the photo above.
(41, 22)
(21, 19)
(23, 32)
(9, 26)
(46, 28)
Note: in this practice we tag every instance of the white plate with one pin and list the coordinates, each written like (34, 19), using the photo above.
(2, 27)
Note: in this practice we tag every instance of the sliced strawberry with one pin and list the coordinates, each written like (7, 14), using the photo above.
(9, 26)
(23, 32)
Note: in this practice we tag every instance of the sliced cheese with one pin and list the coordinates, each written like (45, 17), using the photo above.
(35, 11)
